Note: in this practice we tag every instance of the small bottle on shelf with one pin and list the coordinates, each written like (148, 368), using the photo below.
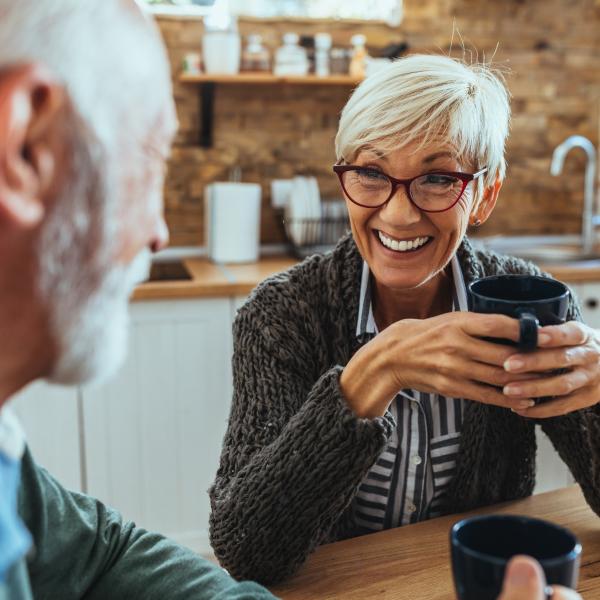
(307, 42)
(256, 57)
(358, 63)
(291, 59)
(322, 47)
(339, 61)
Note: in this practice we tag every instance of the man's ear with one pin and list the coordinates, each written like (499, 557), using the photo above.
(487, 203)
(30, 102)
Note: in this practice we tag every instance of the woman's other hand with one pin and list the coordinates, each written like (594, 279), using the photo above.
(524, 580)
(444, 354)
(573, 348)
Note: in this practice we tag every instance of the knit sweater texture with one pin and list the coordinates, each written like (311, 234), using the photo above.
(294, 453)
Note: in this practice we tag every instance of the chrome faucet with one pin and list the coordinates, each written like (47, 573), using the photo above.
(589, 219)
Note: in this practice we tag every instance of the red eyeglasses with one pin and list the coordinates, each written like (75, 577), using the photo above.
(436, 191)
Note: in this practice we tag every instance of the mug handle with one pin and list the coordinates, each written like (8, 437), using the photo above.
(528, 330)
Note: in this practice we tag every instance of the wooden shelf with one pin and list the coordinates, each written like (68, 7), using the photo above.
(268, 78)
(206, 84)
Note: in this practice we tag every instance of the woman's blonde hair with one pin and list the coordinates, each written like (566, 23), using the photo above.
(421, 97)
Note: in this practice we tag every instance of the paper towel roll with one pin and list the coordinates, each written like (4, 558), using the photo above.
(232, 221)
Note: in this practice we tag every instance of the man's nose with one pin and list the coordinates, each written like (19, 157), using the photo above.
(160, 240)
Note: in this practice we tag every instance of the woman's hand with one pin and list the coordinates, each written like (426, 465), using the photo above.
(524, 580)
(443, 354)
(574, 347)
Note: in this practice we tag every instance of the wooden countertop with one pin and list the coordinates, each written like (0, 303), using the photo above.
(576, 272)
(413, 562)
(210, 280)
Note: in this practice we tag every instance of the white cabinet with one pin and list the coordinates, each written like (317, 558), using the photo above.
(153, 434)
(50, 416)
(236, 303)
(551, 471)
(148, 442)
(589, 299)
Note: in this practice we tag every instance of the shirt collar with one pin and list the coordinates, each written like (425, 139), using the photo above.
(12, 438)
(15, 540)
(366, 325)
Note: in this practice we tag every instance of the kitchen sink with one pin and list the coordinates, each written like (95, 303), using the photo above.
(544, 249)
(169, 271)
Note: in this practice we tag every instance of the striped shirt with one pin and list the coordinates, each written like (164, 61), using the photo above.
(409, 480)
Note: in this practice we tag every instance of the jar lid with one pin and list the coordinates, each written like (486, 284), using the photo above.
(322, 40)
(290, 38)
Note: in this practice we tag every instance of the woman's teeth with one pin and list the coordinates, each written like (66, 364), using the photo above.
(404, 245)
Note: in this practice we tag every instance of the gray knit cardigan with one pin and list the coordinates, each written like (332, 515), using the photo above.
(294, 453)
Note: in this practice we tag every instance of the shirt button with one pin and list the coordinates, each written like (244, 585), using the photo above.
(411, 507)
(417, 460)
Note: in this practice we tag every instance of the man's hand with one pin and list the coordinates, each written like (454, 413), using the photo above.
(524, 580)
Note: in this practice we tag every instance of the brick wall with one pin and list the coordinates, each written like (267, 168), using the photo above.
(552, 48)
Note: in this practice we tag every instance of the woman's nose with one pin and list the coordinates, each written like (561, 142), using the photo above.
(399, 210)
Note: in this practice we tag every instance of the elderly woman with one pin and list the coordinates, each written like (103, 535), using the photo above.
(365, 396)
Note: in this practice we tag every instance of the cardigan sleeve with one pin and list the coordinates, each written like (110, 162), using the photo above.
(576, 438)
(294, 453)
(84, 549)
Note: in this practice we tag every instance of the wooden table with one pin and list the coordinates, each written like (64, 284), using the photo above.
(413, 562)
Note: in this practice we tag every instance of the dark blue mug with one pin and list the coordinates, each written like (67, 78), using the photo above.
(533, 300)
(482, 546)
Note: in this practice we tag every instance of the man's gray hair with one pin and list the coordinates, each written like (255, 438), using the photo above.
(110, 62)
(101, 50)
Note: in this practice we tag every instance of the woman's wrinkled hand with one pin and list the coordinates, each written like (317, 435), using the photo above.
(445, 355)
(574, 349)
(524, 580)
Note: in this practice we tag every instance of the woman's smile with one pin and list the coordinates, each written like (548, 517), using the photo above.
(405, 247)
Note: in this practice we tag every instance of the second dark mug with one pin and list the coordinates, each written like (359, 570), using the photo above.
(533, 300)
(481, 547)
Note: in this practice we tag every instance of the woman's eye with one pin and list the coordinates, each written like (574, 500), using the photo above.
(439, 179)
(371, 174)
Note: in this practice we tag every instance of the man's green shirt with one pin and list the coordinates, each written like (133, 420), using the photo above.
(83, 549)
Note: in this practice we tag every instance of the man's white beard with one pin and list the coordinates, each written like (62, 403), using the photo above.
(85, 293)
(93, 337)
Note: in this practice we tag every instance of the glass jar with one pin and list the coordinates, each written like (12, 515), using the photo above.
(358, 64)
(339, 61)
(291, 59)
(322, 61)
(255, 56)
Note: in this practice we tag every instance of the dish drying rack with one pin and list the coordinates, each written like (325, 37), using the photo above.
(316, 236)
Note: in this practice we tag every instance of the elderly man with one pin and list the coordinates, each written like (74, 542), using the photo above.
(86, 120)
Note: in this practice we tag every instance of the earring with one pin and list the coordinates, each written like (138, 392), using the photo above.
(476, 223)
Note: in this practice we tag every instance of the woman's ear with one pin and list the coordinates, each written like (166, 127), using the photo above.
(30, 100)
(485, 206)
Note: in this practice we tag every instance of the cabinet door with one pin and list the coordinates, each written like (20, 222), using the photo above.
(49, 415)
(236, 303)
(154, 433)
(589, 298)
(551, 471)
